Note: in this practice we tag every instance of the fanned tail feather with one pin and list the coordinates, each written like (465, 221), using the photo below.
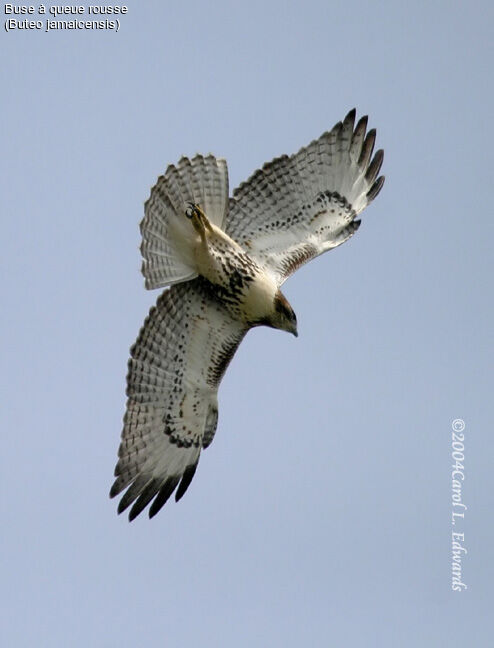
(166, 232)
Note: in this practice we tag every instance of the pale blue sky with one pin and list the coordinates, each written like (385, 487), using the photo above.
(320, 516)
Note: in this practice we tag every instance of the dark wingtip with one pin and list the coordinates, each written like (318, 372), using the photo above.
(144, 498)
(367, 148)
(362, 123)
(114, 490)
(136, 510)
(374, 166)
(350, 118)
(122, 505)
(376, 188)
(132, 515)
(132, 493)
(189, 473)
(163, 495)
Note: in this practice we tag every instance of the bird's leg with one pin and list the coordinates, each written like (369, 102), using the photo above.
(199, 220)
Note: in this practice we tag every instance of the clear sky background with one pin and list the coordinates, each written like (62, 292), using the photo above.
(320, 516)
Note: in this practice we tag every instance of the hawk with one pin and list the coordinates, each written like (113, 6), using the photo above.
(223, 262)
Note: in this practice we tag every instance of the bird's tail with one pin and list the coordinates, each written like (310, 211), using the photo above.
(167, 233)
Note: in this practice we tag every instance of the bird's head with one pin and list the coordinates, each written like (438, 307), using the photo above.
(283, 316)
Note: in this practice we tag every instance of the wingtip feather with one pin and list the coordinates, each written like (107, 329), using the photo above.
(350, 117)
(376, 188)
(163, 495)
(374, 166)
(189, 473)
(367, 148)
(114, 490)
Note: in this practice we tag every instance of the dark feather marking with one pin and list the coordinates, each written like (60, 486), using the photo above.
(223, 359)
(375, 189)
(189, 473)
(374, 167)
(133, 492)
(298, 258)
(360, 128)
(350, 118)
(145, 497)
(210, 427)
(116, 488)
(162, 497)
(367, 148)
(347, 232)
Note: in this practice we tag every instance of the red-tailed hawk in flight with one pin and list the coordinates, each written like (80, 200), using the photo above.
(225, 261)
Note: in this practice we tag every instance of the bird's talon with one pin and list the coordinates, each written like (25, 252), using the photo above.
(191, 210)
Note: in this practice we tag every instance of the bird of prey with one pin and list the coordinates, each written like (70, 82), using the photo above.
(223, 261)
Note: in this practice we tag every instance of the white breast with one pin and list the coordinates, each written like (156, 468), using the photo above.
(258, 303)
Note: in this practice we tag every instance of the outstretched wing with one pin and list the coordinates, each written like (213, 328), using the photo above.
(297, 207)
(175, 368)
